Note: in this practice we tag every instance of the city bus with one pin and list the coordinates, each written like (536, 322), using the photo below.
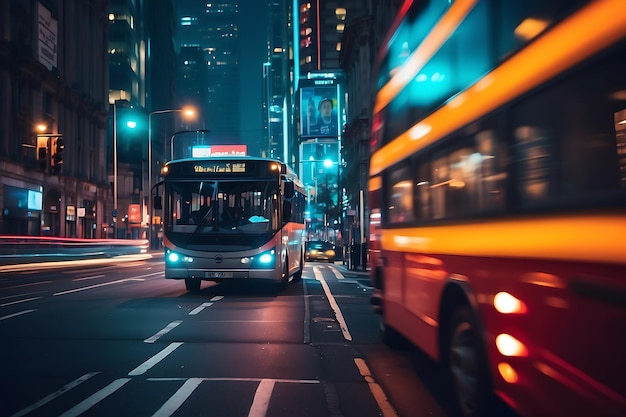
(497, 196)
(232, 218)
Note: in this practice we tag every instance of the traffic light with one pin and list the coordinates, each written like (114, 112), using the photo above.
(42, 152)
(57, 156)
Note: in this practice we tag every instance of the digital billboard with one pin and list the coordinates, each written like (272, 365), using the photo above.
(319, 116)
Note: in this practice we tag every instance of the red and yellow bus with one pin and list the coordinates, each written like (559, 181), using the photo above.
(232, 218)
(497, 197)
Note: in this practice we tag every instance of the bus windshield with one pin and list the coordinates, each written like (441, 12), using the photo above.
(203, 208)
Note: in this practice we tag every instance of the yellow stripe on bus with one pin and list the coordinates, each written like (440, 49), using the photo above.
(592, 29)
(592, 238)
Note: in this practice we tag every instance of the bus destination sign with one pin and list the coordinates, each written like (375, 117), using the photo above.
(220, 167)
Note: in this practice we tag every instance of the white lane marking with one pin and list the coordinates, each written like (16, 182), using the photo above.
(91, 277)
(376, 390)
(16, 314)
(160, 333)
(338, 274)
(179, 397)
(217, 298)
(119, 281)
(23, 294)
(89, 402)
(54, 395)
(333, 305)
(27, 285)
(25, 300)
(262, 398)
(144, 367)
(199, 308)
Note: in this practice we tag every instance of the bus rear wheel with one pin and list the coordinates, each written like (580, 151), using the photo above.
(192, 284)
(465, 364)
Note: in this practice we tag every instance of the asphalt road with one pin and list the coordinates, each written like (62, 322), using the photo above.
(119, 339)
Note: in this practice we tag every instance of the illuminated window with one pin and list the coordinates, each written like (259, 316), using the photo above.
(340, 27)
(338, 47)
(340, 13)
(111, 17)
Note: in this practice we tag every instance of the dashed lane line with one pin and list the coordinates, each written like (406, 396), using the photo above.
(54, 395)
(375, 389)
(144, 367)
(19, 313)
(163, 331)
(94, 399)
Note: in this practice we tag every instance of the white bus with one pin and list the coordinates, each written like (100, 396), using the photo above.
(232, 218)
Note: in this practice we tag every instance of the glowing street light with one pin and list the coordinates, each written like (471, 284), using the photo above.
(187, 112)
(131, 124)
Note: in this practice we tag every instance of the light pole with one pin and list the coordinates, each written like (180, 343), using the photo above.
(189, 112)
(131, 124)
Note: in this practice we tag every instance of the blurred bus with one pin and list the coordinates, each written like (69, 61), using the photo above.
(498, 200)
(232, 218)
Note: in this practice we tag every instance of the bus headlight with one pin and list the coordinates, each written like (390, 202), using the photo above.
(261, 260)
(266, 258)
(173, 257)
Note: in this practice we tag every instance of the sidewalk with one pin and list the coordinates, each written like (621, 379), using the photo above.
(351, 272)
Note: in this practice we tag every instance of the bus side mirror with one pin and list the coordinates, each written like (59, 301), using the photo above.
(157, 202)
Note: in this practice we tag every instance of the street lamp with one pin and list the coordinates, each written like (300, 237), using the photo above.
(130, 124)
(327, 197)
(188, 112)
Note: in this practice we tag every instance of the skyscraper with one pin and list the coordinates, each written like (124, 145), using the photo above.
(214, 29)
(321, 26)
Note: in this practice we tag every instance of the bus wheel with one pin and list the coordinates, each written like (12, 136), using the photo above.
(465, 364)
(192, 284)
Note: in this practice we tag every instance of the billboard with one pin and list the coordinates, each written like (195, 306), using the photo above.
(319, 116)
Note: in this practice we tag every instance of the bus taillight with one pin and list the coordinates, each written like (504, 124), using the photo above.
(506, 303)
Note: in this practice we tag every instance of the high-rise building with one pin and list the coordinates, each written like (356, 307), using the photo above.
(53, 117)
(141, 85)
(213, 27)
(127, 94)
(278, 87)
(321, 26)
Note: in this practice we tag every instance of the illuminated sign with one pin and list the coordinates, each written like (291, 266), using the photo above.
(205, 151)
(35, 200)
(200, 151)
(319, 112)
(220, 167)
(134, 213)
